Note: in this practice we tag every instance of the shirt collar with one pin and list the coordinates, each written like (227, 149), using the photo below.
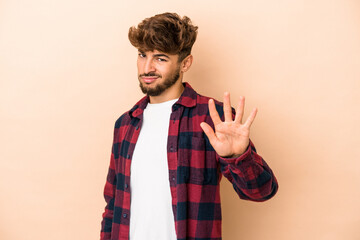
(187, 99)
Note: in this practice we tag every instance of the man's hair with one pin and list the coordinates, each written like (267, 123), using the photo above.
(165, 32)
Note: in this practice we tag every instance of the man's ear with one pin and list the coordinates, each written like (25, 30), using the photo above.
(186, 63)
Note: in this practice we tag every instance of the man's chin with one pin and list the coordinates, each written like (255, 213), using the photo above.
(151, 91)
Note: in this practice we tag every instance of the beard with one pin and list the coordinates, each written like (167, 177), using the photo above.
(160, 87)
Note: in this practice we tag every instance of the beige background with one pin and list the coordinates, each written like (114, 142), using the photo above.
(67, 71)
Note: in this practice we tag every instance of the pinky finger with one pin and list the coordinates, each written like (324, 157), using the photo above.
(251, 118)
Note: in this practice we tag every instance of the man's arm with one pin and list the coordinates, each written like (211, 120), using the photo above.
(247, 171)
(109, 195)
(250, 175)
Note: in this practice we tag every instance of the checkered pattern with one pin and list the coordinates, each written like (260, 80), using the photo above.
(195, 171)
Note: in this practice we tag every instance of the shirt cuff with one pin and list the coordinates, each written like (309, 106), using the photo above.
(235, 160)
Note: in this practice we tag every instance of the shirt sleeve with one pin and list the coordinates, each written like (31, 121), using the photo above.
(250, 175)
(109, 195)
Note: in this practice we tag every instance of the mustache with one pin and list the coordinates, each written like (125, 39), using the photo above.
(150, 74)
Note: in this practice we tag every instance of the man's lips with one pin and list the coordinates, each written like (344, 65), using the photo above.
(149, 79)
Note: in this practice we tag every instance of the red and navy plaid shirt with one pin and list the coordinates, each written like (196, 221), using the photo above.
(195, 170)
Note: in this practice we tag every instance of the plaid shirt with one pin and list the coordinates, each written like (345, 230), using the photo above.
(194, 172)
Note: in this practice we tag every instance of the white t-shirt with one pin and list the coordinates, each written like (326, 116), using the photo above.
(151, 214)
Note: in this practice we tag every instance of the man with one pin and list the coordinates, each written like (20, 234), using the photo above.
(171, 149)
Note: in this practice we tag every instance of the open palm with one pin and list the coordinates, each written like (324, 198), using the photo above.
(231, 136)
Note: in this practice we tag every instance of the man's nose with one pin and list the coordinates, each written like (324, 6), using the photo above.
(149, 66)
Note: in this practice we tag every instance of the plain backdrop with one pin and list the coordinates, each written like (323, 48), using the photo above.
(68, 71)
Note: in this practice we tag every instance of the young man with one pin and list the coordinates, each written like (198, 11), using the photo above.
(171, 149)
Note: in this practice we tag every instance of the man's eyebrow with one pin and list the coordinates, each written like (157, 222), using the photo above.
(155, 55)
(161, 55)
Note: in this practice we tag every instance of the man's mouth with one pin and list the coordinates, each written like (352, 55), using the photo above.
(149, 79)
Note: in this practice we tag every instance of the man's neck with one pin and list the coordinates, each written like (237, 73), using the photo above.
(171, 93)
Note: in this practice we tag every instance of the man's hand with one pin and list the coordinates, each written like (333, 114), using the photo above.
(231, 137)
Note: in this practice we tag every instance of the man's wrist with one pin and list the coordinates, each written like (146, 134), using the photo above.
(236, 155)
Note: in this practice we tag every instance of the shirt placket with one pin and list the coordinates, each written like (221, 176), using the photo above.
(172, 153)
(134, 132)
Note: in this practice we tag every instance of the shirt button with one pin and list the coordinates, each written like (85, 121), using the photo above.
(173, 179)
(126, 186)
(137, 127)
(171, 148)
(128, 156)
(124, 215)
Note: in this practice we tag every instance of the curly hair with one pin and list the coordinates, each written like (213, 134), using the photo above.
(165, 32)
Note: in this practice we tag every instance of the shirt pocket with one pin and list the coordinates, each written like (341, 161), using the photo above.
(194, 164)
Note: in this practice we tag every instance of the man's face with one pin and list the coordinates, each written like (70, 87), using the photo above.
(157, 71)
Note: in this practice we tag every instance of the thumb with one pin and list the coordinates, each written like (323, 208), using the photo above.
(208, 131)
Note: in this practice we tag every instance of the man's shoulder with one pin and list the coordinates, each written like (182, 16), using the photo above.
(124, 119)
(202, 99)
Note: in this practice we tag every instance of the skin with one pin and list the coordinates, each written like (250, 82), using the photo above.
(164, 66)
(231, 136)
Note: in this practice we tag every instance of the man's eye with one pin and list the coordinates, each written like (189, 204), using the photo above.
(162, 60)
(142, 55)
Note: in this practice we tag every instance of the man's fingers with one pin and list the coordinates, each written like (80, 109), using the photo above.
(240, 110)
(251, 118)
(209, 132)
(213, 113)
(227, 107)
